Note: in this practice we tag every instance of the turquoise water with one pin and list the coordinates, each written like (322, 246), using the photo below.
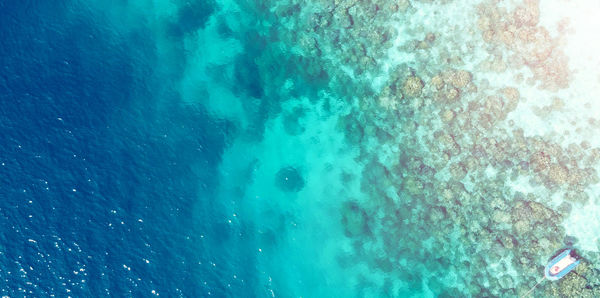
(296, 149)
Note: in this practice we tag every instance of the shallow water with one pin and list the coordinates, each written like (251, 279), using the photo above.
(297, 148)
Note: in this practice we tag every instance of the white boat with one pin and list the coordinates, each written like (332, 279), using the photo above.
(562, 264)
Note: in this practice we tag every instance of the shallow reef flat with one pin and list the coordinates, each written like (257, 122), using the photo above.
(471, 134)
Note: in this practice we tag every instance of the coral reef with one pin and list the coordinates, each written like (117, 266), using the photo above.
(412, 86)
(528, 43)
(439, 148)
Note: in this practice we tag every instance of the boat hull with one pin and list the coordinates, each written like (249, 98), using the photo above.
(548, 271)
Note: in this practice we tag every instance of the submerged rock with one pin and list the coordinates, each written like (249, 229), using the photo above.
(289, 179)
(412, 86)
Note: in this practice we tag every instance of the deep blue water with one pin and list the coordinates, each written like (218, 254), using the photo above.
(106, 176)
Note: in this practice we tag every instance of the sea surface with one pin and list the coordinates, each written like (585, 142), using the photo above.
(297, 148)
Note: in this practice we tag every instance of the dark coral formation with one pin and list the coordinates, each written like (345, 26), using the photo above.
(191, 17)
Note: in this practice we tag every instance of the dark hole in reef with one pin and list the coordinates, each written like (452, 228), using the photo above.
(289, 179)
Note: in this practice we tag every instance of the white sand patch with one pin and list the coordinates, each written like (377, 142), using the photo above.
(584, 222)
(581, 98)
(580, 24)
